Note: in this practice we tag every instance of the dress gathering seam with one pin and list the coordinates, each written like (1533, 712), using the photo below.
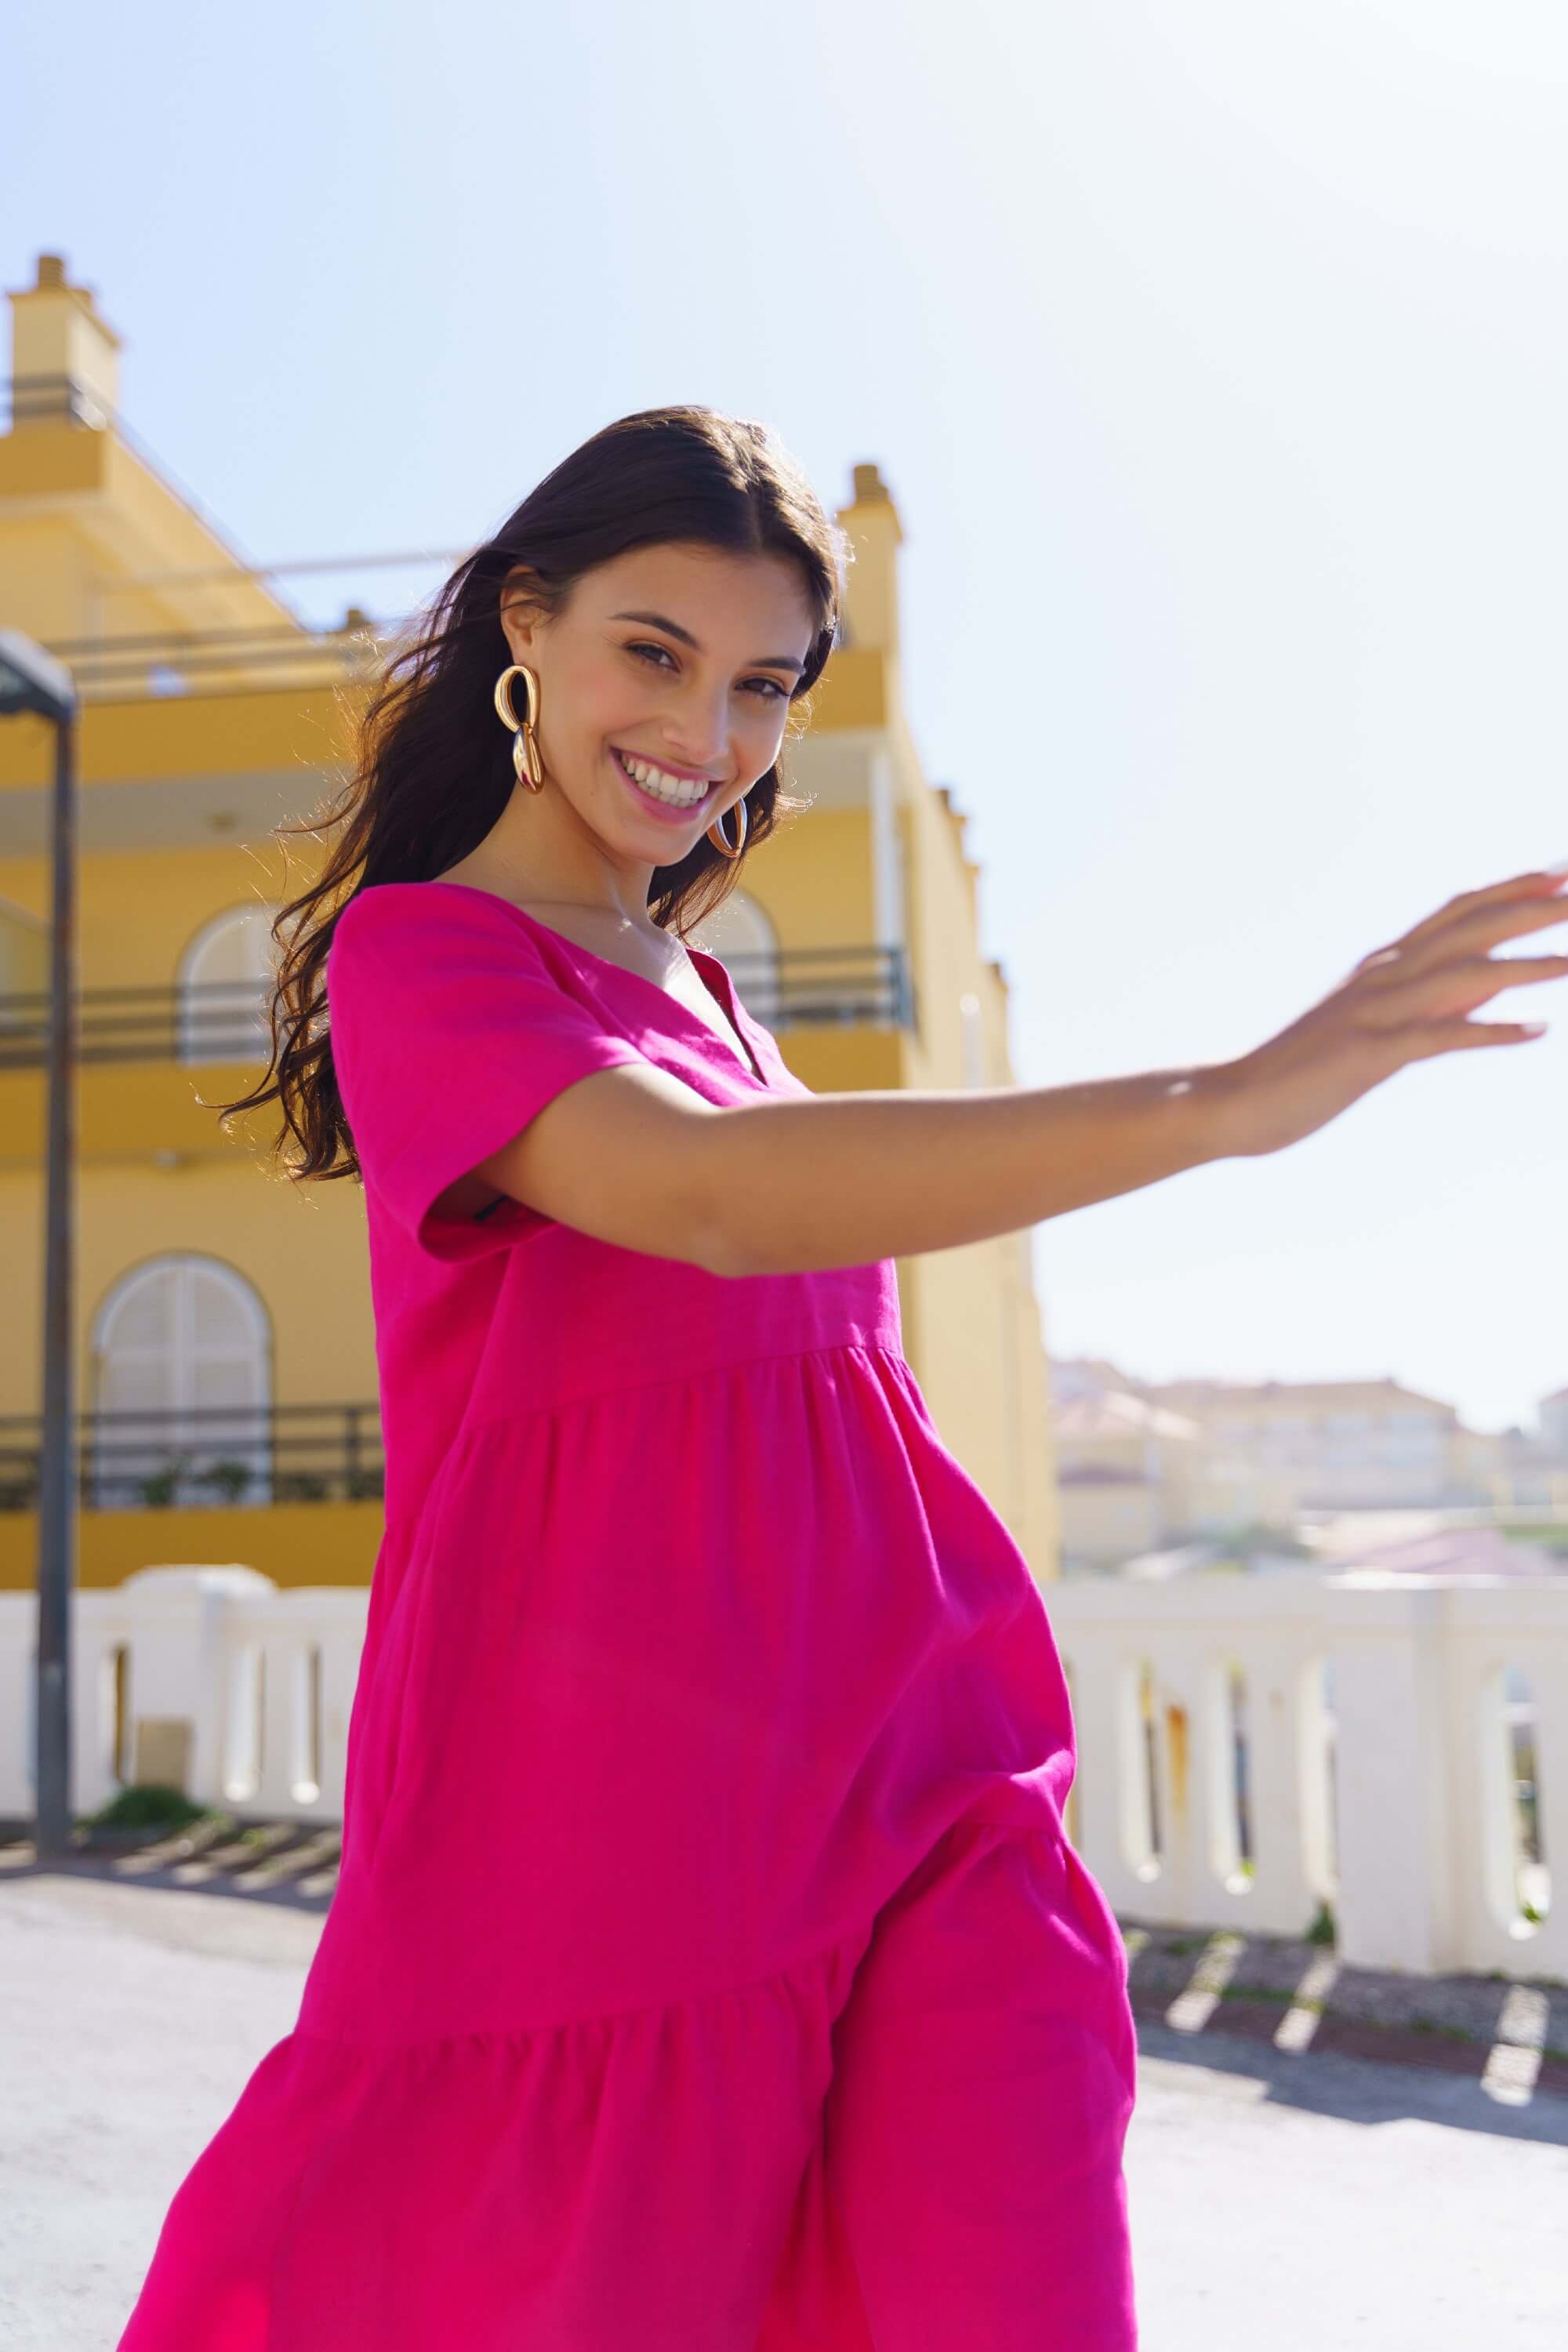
(672, 1380)
(814, 1958)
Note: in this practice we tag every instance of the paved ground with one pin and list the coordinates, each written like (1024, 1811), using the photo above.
(1303, 2201)
(1512, 2035)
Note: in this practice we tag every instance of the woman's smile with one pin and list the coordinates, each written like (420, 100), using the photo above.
(672, 793)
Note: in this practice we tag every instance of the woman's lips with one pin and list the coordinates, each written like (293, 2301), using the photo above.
(672, 809)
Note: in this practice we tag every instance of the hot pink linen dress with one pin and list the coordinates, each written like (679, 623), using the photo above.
(708, 1970)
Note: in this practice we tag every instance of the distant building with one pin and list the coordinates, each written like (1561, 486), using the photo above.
(1552, 1413)
(1175, 1460)
(1439, 1551)
(1342, 1445)
(1133, 1475)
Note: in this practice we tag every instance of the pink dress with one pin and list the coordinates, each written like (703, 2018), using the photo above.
(708, 1970)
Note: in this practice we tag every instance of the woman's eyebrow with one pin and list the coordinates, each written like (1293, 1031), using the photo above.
(674, 629)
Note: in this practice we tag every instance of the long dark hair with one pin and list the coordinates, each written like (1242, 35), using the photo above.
(432, 768)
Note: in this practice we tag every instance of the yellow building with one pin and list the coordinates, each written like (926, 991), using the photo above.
(226, 1362)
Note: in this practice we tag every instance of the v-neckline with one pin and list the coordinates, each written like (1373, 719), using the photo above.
(723, 996)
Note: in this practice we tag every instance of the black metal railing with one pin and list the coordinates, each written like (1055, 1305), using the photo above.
(814, 987)
(177, 661)
(205, 1455)
(215, 1021)
(225, 1021)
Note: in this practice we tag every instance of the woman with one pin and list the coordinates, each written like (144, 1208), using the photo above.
(708, 1970)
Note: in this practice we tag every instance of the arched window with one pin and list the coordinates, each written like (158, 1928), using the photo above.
(741, 934)
(225, 975)
(181, 1360)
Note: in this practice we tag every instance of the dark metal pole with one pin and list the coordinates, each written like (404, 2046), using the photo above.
(56, 1477)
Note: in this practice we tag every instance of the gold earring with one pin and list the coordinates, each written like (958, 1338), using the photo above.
(717, 835)
(525, 757)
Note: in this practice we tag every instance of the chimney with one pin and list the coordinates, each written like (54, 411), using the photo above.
(64, 362)
(871, 520)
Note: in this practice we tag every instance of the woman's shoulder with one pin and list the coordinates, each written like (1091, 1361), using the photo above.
(385, 922)
(384, 907)
(414, 953)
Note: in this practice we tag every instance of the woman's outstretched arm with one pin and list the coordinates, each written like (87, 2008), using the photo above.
(634, 1157)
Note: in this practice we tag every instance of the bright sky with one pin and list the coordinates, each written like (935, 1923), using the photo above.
(1217, 357)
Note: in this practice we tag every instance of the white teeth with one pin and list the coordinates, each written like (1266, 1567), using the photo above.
(678, 790)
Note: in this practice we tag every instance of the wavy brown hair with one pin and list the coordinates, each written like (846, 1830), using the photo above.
(432, 768)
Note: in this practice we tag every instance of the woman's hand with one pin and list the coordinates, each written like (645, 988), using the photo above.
(1405, 1002)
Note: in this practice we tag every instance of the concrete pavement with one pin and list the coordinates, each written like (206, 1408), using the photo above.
(1305, 2203)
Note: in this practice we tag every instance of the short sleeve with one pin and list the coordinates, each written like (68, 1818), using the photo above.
(448, 1033)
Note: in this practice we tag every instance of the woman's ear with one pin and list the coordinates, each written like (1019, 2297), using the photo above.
(520, 613)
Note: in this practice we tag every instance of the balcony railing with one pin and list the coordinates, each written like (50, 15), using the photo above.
(205, 1455)
(223, 1021)
(216, 661)
(817, 987)
(218, 1021)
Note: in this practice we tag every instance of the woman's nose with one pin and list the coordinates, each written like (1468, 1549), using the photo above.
(698, 729)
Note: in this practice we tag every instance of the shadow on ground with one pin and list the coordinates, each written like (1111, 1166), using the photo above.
(1360, 2089)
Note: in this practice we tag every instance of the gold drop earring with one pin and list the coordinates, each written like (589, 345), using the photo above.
(525, 757)
(718, 836)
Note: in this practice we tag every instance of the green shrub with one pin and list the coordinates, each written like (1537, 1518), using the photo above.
(1321, 1930)
(230, 1478)
(300, 1486)
(157, 1489)
(144, 1804)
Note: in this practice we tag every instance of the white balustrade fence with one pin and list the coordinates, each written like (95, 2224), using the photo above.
(1250, 1748)
(264, 1678)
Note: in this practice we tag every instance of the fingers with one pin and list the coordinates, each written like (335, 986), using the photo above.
(1514, 972)
(1533, 899)
(1453, 986)
(1488, 974)
(1490, 926)
(1426, 1038)
(1425, 954)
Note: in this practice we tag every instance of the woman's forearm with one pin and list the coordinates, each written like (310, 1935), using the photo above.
(842, 1179)
(632, 1156)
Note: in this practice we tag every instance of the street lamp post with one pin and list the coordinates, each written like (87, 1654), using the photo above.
(32, 681)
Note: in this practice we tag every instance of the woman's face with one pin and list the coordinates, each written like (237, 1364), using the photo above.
(664, 688)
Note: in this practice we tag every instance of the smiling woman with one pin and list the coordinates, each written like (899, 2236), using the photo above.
(689, 721)
(708, 1970)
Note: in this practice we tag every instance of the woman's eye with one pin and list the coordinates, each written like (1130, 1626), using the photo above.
(660, 656)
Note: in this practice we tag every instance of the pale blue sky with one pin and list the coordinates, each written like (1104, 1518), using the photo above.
(1216, 355)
